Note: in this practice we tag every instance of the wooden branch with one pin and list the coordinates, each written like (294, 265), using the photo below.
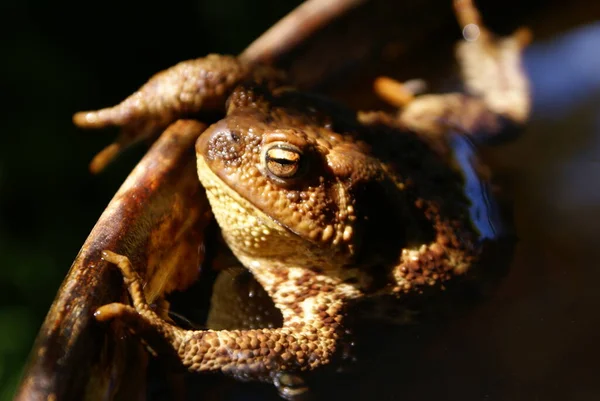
(295, 28)
(157, 218)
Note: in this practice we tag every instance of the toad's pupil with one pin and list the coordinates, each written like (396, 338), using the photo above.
(282, 162)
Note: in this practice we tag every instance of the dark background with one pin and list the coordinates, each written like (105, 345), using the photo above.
(537, 337)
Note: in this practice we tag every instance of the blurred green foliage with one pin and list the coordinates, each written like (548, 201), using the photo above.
(58, 59)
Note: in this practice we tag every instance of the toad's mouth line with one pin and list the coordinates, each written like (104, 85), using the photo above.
(216, 188)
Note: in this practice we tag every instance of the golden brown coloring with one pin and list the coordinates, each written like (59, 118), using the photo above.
(323, 205)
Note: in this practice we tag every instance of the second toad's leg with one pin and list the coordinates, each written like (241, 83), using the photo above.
(492, 67)
(497, 89)
(189, 87)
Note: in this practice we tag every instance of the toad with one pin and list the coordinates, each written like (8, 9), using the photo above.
(323, 205)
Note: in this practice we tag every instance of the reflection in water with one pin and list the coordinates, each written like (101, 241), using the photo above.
(483, 210)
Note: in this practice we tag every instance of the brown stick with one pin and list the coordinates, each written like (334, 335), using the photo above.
(294, 28)
(157, 217)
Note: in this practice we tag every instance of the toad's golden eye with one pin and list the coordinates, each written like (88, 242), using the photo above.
(283, 160)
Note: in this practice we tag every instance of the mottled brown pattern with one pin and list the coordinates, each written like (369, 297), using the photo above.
(368, 202)
(253, 353)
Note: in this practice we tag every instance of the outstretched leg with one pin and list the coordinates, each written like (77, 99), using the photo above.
(311, 306)
(496, 88)
(189, 87)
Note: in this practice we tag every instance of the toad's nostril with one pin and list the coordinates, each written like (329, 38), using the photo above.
(225, 145)
(220, 143)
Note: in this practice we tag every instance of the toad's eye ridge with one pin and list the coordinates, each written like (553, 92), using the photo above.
(283, 159)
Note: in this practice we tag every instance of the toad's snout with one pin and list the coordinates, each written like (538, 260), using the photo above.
(221, 145)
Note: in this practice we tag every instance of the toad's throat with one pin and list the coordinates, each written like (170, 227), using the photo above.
(251, 234)
(232, 210)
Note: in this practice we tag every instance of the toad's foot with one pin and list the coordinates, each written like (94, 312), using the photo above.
(182, 90)
(451, 254)
(308, 338)
(497, 89)
(492, 67)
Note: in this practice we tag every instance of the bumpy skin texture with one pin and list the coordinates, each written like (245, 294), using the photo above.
(361, 216)
(185, 89)
(322, 205)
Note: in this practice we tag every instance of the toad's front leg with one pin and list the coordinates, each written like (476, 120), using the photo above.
(311, 306)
